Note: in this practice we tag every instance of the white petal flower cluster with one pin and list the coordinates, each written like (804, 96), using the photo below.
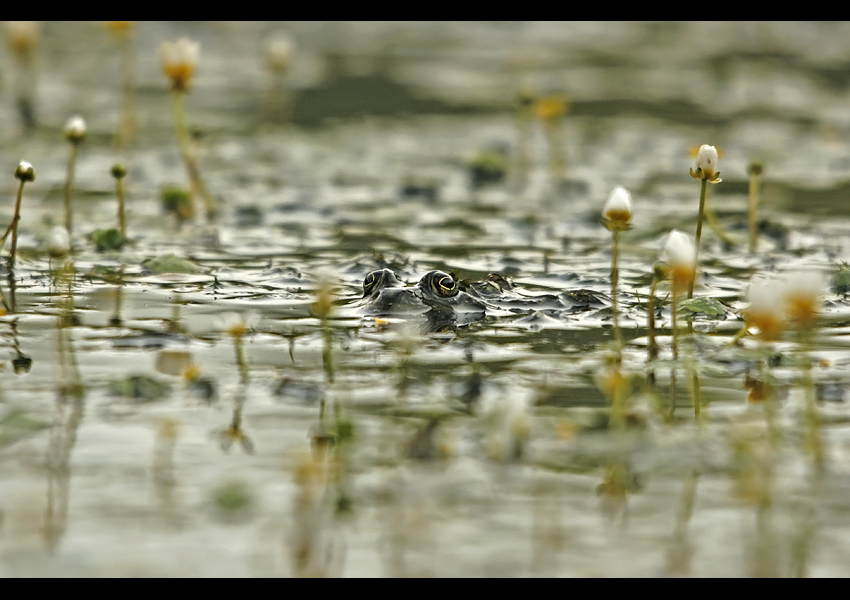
(680, 255)
(794, 296)
(618, 209)
(706, 164)
(180, 52)
(707, 158)
(179, 59)
(679, 250)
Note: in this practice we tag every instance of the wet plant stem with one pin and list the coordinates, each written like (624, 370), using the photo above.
(696, 394)
(122, 219)
(615, 275)
(327, 352)
(812, 434)
(240, 358)
(190, 159)
(674, 310)
(554, 131)
(13, 227)
(127, 125)
(754, 193)
(702, 190)
(69, 188)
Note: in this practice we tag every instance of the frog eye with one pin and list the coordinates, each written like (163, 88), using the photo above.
(370, 281)
(445, 285)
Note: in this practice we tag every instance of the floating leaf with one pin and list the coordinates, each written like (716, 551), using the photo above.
(841, 280)
(171, 263)
(107, 239)
(709, 306)
(140, 388)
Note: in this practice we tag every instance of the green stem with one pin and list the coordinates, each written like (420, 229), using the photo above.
(554, 131)
(127, 125)
(755, 188)
(714, 223)
(696, 395)
(812, 435)
(327, 352)
(615, 275)
(674, 309)
(122, 222)
(703, 184)
(69, 186)
(14, 226)
(240, 358)
(189, 158)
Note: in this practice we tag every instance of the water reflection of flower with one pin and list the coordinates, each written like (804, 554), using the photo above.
(235, 434)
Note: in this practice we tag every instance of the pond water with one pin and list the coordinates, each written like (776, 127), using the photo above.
(208, 422)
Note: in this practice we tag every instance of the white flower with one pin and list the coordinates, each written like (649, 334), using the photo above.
(22, 34)
(766, 313)
(802, 292)
(680, 254)
(58, 242)
(179, 59)
(706, 163)
(679, 249)
(25, 171)
(618, 209)
(280, 52)
(75, 129)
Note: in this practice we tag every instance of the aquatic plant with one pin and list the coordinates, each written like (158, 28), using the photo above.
(236, 325)
(75, 133)
(278, 58)
(802, 298)
(322, 309)
(22, 37)
(680, 255)
(119, 171)
(616, 216)
(179, 59)
(58, 242)
(550, 110)
(23, 173)
(706, 171)
(279, 53)
(524, 121)
(753, 196)
(122, 33)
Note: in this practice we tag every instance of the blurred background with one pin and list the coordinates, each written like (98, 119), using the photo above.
(342, 147)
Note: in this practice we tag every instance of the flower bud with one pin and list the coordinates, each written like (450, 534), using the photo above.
(58, 242)
(801, 292)
(22, 35)
(681, 256)
(618, 210)
(706, 164)
(280, 54)
(75, 129)
(765, 316)
(25, 171)
(179, 59)
(119, 171)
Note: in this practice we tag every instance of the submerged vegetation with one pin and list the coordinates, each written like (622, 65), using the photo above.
(405, 346)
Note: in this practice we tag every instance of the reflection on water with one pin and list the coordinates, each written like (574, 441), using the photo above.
(221, 399)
